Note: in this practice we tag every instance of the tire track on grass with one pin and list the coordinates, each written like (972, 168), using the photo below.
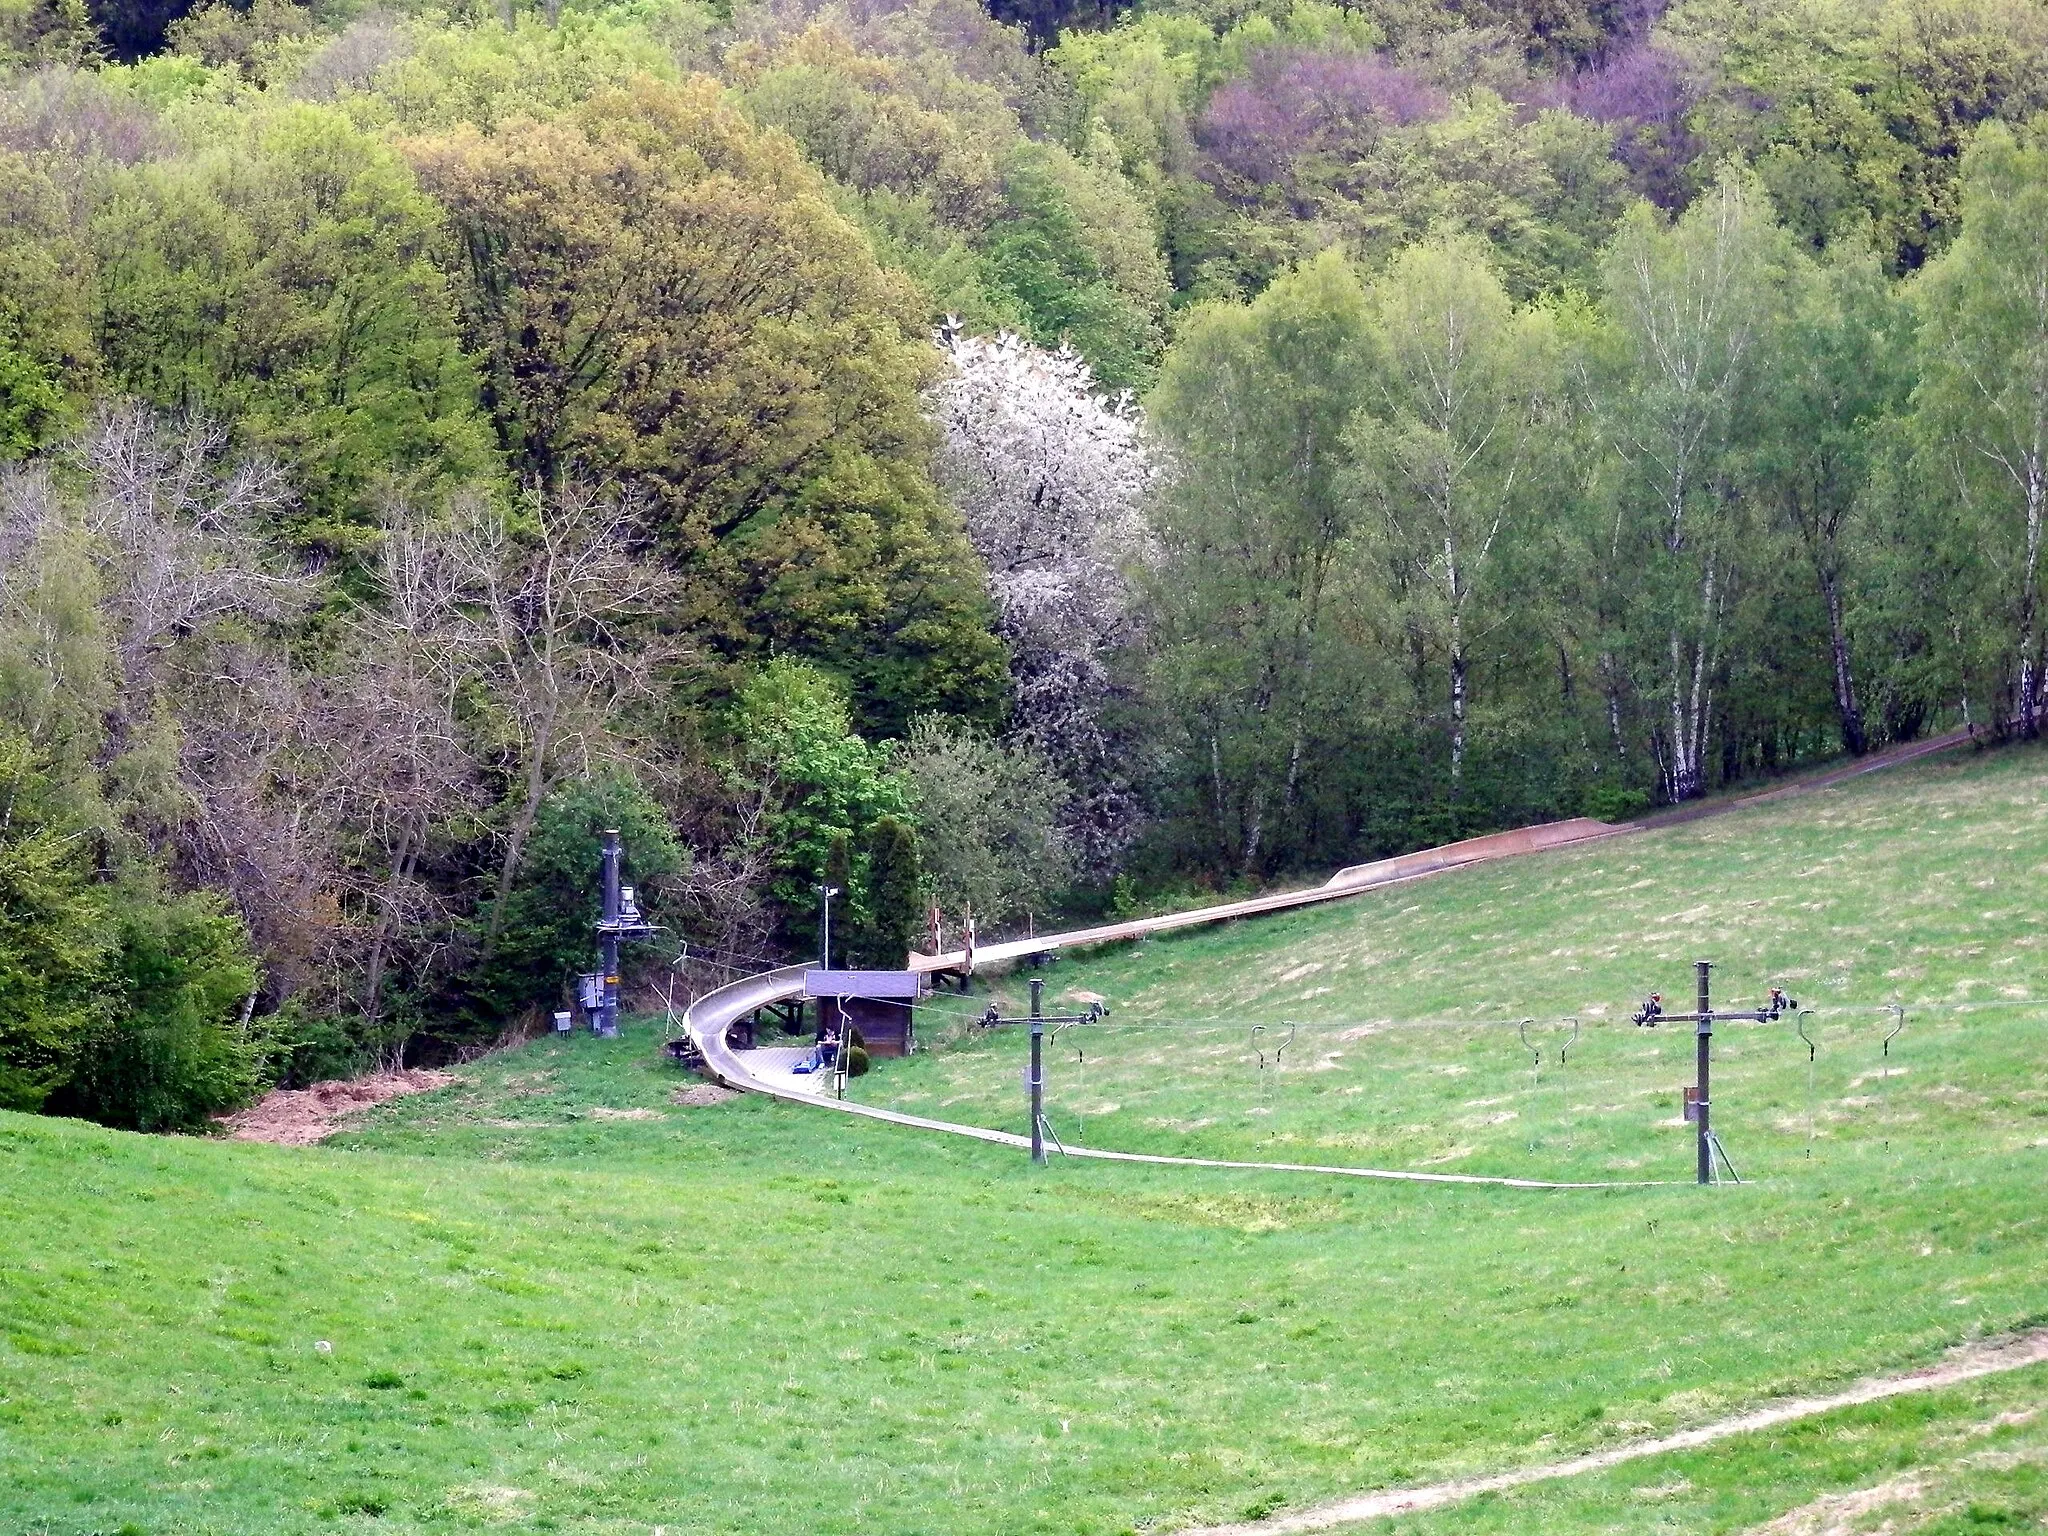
(1965, 1363)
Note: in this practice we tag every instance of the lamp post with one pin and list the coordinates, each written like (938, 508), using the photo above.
(825, 931)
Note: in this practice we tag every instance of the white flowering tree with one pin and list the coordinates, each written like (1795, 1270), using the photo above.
(1050, 473)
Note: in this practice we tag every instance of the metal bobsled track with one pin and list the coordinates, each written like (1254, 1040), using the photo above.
(709, 1020)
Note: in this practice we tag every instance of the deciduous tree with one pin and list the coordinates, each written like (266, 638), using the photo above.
(1983, 394)
(1837, 372)
(991, 818)
(1254, 405)
(1451, 419)
(1051, 476)
(563, 601)
(664, 295)
(1690, 302)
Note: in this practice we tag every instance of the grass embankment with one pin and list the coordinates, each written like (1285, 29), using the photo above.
(753, 1317)
(1927, 886)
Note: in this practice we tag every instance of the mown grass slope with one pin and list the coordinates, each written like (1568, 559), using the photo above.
(557, 1300)
(1384, 1029)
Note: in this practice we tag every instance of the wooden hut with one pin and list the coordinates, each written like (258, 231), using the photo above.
(877, 1003)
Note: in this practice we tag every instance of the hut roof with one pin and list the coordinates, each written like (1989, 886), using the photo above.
(903, 985)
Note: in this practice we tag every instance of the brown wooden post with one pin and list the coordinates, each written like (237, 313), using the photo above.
(1704, 1033)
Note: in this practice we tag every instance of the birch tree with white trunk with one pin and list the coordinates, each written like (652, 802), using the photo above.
(1258, 528)
(1690, 301)
(1838, 372)
(1445, 442)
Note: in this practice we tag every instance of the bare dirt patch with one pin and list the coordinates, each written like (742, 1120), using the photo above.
(604, 1112)
(299, 1117)
(1963, 1364)
(701, 1095)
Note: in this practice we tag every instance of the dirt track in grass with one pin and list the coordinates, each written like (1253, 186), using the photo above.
(300, 1117)
(1965, 1363)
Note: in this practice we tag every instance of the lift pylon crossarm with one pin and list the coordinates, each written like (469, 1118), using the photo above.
(991, 1018)
(1652, 1013)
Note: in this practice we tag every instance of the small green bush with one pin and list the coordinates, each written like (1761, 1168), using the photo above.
(856, 1061)
(308, 1048)
(1611, 802)
(170, 1051)
(1123, 898)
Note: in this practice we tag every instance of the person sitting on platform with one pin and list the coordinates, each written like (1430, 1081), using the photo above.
(823, 1053)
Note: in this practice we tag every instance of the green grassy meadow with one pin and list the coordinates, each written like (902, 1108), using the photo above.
(555, 1299)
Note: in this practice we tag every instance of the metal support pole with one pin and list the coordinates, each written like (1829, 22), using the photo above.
(1037, 1073)
(845, 1046)
(1810, 1049)
(1884, 1088)
(608, 939)
(1705, 1036)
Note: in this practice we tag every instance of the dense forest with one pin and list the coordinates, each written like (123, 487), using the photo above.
(1003, 461)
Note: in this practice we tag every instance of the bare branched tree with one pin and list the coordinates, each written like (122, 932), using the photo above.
(398, 764)
(722, 896)
(178, 532)
(206, 724)
(248, 817)
(564, 604)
